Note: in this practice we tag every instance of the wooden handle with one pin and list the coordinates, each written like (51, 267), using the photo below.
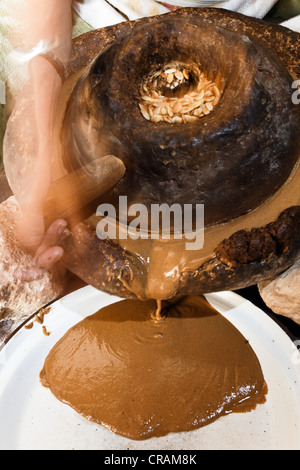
(68, 195)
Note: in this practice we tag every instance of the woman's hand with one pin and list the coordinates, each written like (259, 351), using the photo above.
(28, 158)
(28, 142)
(50, 251)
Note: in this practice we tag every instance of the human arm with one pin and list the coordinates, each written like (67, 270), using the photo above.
(28, 146)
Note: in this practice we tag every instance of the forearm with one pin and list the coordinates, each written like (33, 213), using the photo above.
(28, 151)
(49, 21)
(44, 86)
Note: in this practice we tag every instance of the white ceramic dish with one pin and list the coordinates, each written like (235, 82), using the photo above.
(32, 418)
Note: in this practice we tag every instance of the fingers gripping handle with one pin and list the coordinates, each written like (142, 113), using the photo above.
(71, 193)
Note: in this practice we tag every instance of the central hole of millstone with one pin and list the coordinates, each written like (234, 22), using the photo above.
(177, 95)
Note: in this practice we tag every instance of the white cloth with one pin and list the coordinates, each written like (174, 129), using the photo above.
(257, 8)
(100, 13)
(293, 23)
(135, 9)
(97, 13)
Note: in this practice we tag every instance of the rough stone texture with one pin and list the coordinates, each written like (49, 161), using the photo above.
(24, 288)
(276, 238)
(262, 253)
(283, 42)
(243, 151)
(282, 294)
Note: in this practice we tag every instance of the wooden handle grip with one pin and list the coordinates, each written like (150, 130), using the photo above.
(68, 195)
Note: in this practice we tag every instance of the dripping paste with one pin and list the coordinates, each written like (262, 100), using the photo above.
(142, 373)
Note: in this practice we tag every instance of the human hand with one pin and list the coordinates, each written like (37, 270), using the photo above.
(47, 250)
(28, 157)
(45, 28)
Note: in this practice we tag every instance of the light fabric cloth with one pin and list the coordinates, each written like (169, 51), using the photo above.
(9, 41)
(293, 23)
(257, 8)
(99, 13)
